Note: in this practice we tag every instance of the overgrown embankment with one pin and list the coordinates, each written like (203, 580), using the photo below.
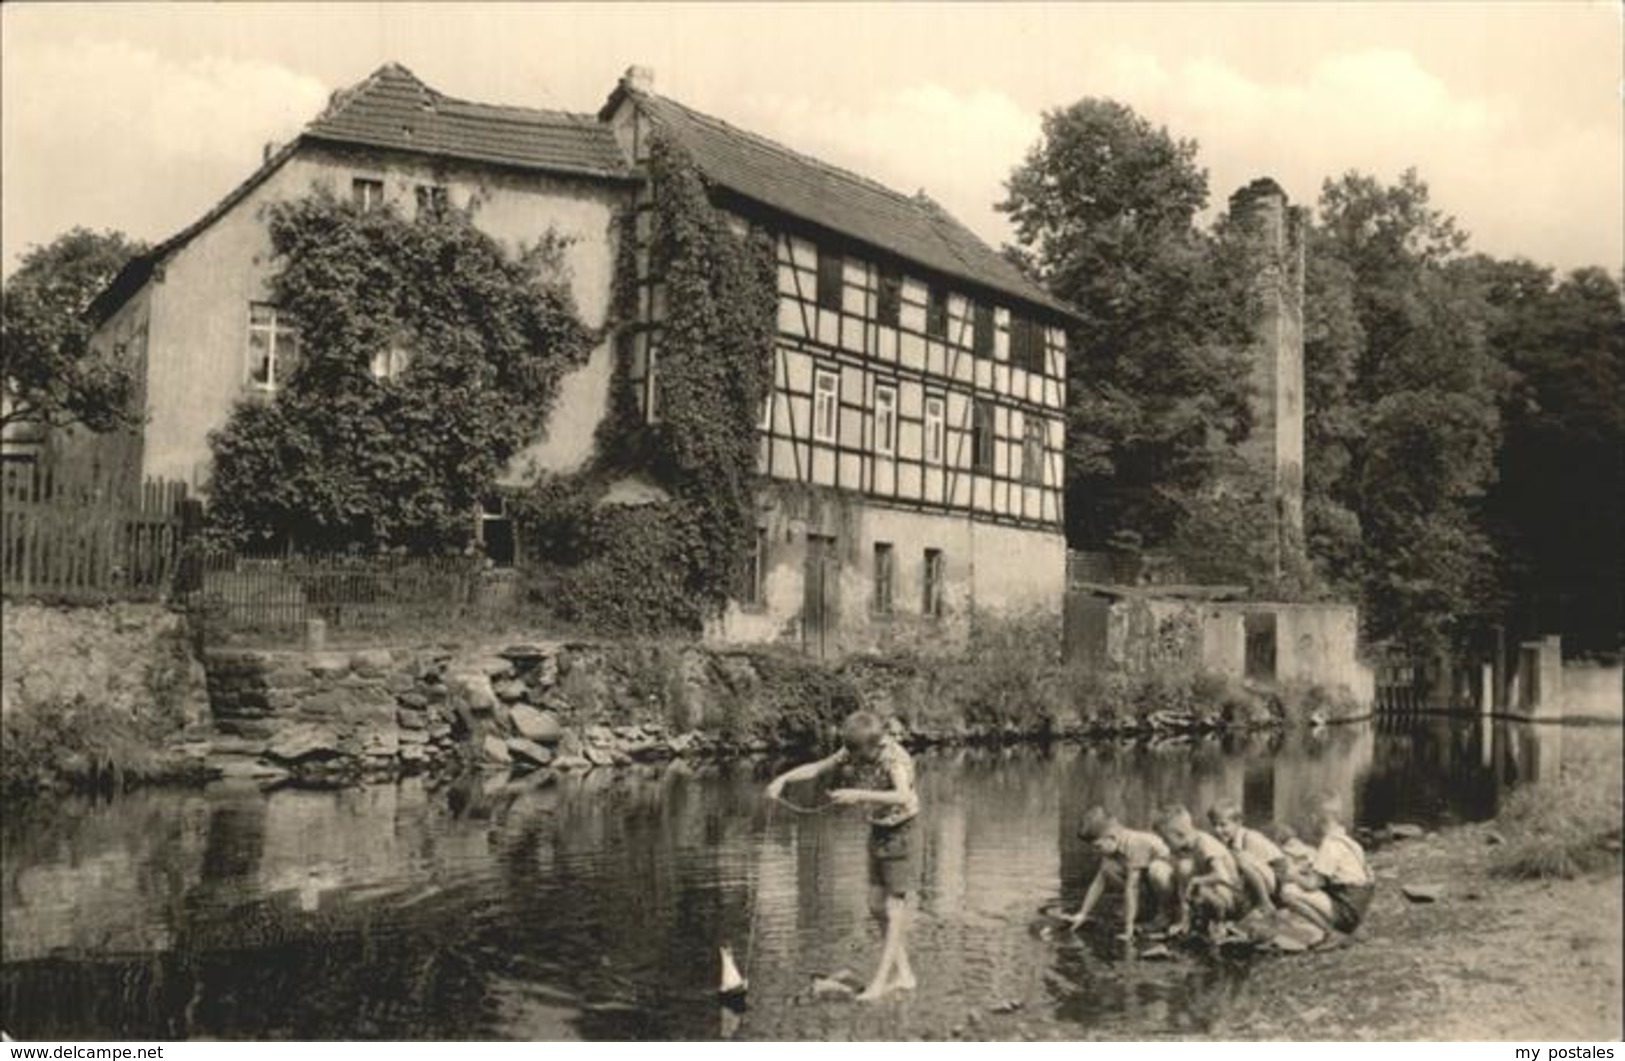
(92, 696)
(135, 712)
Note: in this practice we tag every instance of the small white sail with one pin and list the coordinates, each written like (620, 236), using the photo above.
(733, 983)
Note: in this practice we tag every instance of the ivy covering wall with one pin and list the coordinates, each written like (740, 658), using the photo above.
(358, 452)
(668, 564)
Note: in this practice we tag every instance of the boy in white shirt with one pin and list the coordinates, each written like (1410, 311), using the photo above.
(1336, 890)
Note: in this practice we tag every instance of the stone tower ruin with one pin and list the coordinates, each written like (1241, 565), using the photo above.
(1274, 451)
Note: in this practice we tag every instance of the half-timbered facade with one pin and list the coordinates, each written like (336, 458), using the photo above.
(911, 450)
(910, 455)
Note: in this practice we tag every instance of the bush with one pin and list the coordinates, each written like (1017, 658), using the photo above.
(1563, 827)
(80, 744)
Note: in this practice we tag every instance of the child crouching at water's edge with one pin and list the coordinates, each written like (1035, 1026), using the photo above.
(1208, 884)
(1260, 861)
(1336, 889)
(1136, 863)
(877, 772)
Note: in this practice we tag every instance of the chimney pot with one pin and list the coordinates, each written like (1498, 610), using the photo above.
(638, 79)
(268, 150)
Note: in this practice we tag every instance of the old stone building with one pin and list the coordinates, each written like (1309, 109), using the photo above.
(910, 456)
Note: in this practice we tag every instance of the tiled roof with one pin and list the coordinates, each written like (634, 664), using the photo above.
(913, 228)
(393, 109)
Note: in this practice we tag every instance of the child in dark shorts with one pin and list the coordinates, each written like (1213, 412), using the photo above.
(880, 773)
(1336, 890)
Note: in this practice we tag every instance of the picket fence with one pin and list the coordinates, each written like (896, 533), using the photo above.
(86, 533)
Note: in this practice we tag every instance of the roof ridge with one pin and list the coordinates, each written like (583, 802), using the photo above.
(519, 109)
(342, 98)
(783, 149)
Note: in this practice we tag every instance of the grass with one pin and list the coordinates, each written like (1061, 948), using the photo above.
(89, 742)
(1565, 827)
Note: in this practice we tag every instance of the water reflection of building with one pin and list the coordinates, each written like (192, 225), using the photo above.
(1314, 763)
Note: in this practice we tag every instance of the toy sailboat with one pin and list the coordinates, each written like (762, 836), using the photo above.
(734, 985)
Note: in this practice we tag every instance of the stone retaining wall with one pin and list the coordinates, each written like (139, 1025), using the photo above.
(382, 713)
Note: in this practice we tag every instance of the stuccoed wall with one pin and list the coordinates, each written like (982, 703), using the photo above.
(1315, 644)
(989, 569)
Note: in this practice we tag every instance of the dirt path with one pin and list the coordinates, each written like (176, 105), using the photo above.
(1492, 959)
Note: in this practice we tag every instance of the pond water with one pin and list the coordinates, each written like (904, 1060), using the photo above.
(593, 908)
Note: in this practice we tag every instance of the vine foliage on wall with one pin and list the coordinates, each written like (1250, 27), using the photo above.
(354, 452)
(669, 564)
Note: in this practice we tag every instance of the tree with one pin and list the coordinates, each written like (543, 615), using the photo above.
(1333, 342)
(428, 357)
(1555, 512)
(1418, 414)
(1104, 209)
(52, 376)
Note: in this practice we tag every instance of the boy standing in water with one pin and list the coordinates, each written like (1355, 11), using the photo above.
(1138, 863)
(876, 771)
(1336, 890)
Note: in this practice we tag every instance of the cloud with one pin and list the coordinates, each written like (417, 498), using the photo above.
(115, 136)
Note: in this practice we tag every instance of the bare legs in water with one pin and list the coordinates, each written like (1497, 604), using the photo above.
(894, 972)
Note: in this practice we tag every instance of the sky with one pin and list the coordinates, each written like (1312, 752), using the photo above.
(139, 117)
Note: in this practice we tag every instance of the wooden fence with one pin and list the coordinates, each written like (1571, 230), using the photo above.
(276, 593)
(84, 533)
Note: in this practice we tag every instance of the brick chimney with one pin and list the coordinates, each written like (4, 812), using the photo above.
(1274, 230)
(639, 79)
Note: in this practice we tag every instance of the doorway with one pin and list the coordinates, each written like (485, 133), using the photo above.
(818, 610)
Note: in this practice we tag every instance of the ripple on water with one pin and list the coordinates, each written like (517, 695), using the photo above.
(594, 909)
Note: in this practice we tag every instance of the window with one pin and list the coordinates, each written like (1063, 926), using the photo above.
(273, 347)
(936, 312)
(935, 569)
(651, 411)
(1026, 344)
(1032, 452)
(432, 200)
(765, 421)
(981, 436)
(889, 299)
(390, 362)
(934, 430)
(752, 589)
(367, 193)
(883, 578)
(885, 419)
(826, 405)
(829, 280)
(982, 333)
(496, 530)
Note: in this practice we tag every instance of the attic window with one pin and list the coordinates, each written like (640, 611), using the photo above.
(433, 202)
(982, 333)
(1026, 344)
(830, 268)
(936, 312)
(889, 299)
(367, 193)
